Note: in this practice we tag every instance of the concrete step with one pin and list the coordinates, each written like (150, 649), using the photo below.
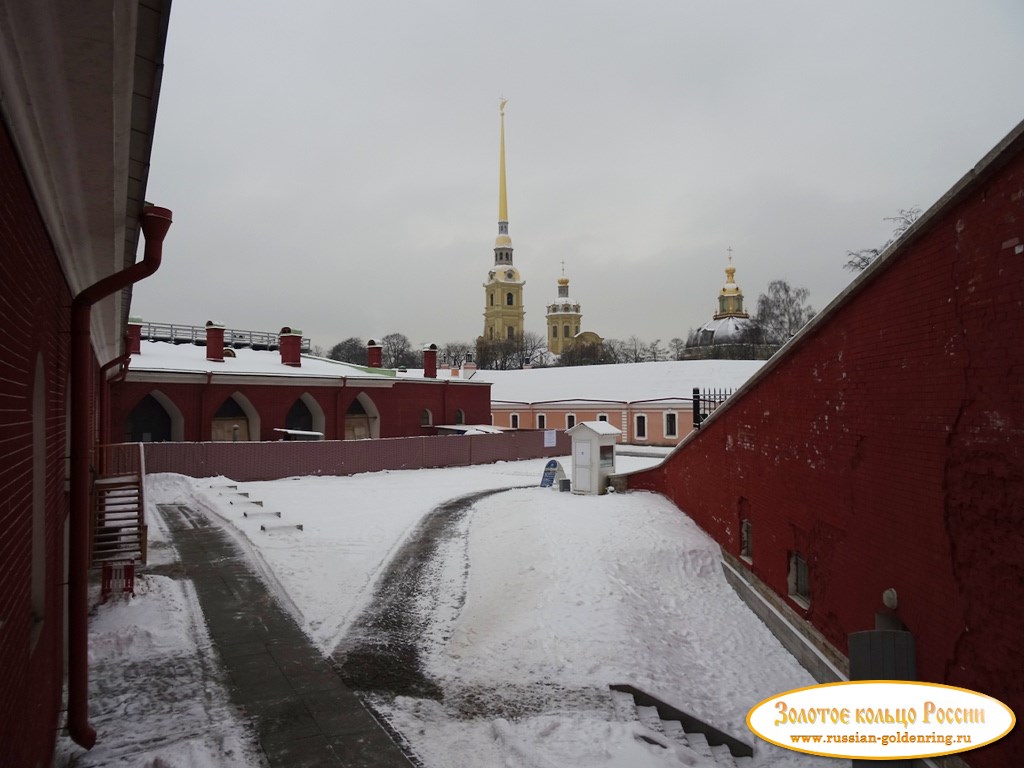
(674, 730)
(648, 716)
(699, 744)
(680, 727)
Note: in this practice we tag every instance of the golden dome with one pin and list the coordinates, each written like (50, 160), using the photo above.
(503, 241)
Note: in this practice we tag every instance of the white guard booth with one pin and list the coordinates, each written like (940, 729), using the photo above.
(593, 455)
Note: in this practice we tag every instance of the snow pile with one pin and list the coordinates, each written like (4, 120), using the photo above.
(564, 595)
(351, 528)
(156, 694)
(534, 602)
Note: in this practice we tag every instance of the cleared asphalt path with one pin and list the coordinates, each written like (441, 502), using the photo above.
(302, 712)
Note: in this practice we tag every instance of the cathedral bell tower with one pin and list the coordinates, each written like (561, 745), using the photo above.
(503, 291)
(563, 316)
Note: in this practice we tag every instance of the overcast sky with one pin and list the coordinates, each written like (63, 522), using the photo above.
(333, 166)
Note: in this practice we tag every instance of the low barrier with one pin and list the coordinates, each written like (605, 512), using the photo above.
(247, 462)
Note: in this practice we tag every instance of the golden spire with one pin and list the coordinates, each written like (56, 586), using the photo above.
(502, 198)
(503, 240)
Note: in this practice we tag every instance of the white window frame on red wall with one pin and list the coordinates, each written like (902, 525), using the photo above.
(636, 427)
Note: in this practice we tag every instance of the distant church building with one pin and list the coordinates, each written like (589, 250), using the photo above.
(564, 317)
(503, 291)
(731, 334)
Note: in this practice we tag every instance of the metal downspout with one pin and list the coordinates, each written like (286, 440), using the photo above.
(155, 223)
(105, 393)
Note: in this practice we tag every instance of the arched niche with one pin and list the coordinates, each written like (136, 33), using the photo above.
(235, 411)
(154, 419)
(362, 419)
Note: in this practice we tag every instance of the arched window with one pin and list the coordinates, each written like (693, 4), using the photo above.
(299, 417)
(148, 422)
(492, 298)
(565, 331)
(554, 331)
(460, 416)
(514, 421)
(511, 333)
(426, 418)
(510, 300)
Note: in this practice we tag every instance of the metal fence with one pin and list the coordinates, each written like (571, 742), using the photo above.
(196, 334)
(706, 401)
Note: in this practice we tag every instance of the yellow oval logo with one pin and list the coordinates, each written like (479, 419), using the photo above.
(881, 719)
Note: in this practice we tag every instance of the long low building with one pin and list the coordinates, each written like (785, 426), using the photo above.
(651, 403)
(186, 392)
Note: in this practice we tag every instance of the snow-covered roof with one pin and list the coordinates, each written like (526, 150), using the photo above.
(724, 330)
(470, 429)
(598, 427)
(159, 356)
(625, 382)
(443, 374)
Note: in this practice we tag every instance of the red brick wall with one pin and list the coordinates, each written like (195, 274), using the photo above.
(34, 306)
(888, 448)
(400, 406)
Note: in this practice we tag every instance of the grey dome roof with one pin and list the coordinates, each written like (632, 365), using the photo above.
(725, 330)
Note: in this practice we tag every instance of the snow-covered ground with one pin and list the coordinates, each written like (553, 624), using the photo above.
(541, 601)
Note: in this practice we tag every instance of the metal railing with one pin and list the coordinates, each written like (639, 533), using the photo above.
(196, 334)
(704, 402)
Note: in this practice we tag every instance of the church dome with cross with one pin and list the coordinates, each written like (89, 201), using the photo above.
(731, 333)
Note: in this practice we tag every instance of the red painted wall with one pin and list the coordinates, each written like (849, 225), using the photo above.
(34, 305)
(247, 462)
(888, 448)
(400, 406)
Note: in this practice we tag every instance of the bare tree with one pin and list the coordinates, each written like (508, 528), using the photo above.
(677, 346)
(635, 350)
(351, 350)
(454, 352)
(499, 354)
(654, 351)
(533, 348)
(857, 261)
(615, 350)
(396, 351)
(583, 353)
(782, 311)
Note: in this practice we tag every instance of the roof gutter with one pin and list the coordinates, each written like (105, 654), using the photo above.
(155, 223)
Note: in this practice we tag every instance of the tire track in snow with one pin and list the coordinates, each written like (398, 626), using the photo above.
(383, 651)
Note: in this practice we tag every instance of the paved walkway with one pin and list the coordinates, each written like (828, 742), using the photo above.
(301, 710)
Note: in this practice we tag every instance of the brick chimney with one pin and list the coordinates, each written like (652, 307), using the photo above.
(134, 336)
(214, 341)
(291, 346)
(430, 361)
(374, 354)
(468, 367)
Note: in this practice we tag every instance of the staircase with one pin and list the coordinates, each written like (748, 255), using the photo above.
(670, 725)
(118, 509)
